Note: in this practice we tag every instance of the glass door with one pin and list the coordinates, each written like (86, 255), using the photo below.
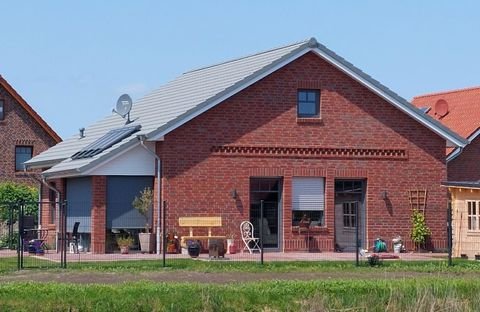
(268, 190)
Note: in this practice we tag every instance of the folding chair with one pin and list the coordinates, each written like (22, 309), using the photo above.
(73, 237)
(246, 230)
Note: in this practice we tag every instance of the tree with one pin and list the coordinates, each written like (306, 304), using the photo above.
(12, 194)
(143, 204)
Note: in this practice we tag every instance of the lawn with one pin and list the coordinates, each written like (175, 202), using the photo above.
(374, 295)
(428, 286)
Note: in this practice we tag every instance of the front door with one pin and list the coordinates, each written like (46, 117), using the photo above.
(268, 190)
(349, 212)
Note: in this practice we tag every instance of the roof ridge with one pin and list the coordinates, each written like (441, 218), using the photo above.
(446, 92)
(310, 40)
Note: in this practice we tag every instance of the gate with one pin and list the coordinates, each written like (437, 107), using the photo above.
(30, 237)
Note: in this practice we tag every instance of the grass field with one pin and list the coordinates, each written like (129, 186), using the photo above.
(446, 289)
(376, 295)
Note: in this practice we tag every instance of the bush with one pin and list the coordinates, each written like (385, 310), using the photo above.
(14, 193)
(420, 230)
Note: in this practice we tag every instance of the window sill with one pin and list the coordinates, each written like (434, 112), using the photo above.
(309, 120)
(473, 233)
(312, 230)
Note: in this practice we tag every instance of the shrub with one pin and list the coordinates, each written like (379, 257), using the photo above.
(14, 193)
(420, 230)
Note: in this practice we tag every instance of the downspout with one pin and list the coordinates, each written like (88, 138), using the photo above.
(57, 215)
(142, 139)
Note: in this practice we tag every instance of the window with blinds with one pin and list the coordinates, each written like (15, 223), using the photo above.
(308, 200)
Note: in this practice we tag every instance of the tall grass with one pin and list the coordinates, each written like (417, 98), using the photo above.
(374, 295)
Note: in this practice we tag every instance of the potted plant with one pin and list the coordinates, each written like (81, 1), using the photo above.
(420, 230)
(124, 243)
(231, 247)
(172, 242)
(143, 204)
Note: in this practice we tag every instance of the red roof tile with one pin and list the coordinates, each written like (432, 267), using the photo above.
(463, 114)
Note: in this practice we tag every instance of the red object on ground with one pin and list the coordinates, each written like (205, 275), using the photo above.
(232, 249)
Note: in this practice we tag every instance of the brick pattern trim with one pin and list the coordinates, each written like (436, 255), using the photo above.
(309, 84)
(310, 152)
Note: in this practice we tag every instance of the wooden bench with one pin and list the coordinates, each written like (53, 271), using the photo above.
(198, 222)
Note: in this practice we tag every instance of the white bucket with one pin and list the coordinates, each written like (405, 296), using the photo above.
(397, 248)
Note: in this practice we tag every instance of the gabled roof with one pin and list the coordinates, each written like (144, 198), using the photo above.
(195, 92)
(463, 109)
(462, 112)
(29, 109)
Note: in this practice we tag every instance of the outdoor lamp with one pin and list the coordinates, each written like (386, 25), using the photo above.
(234, 193)
(384, 194)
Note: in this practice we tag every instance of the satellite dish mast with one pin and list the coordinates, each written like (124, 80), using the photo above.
(123, 107)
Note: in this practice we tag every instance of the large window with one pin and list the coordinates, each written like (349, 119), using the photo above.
(473, 215)
(22, 154)
(2, 107)
(308, 103)
(308, 200)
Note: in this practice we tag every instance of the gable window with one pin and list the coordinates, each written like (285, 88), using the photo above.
(22, 154)
(473, 215)
(2, 113)
(308, 103)
(308, 200)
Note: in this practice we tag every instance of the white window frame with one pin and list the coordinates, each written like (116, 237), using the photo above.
(473, 215)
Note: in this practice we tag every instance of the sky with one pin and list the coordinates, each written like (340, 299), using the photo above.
(71, 60)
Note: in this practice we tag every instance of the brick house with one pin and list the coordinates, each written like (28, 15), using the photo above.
(297, 127)
(23, 134)
(460, 111)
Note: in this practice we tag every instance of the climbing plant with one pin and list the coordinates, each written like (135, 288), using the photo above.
(420, 230)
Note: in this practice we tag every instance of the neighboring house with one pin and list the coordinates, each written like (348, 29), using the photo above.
(297, 126)
(23, 134)
(460, 111)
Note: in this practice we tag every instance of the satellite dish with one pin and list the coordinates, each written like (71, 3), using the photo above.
(123, 107)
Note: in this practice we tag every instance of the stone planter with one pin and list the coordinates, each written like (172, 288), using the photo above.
(147, 242)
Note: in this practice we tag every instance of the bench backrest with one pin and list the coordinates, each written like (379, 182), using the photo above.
(200, 221)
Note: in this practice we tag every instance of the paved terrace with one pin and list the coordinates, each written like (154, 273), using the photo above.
(268, 256)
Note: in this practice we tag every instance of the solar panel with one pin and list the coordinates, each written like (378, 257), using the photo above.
(110, 138)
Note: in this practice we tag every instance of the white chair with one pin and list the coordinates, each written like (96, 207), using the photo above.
(246, 230)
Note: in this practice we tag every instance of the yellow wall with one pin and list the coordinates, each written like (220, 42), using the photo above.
(464, 241)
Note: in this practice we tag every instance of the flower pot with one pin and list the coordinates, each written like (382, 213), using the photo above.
(124, 249)
(194, 249)
(231, 247)
(171, 248)
(147, 242)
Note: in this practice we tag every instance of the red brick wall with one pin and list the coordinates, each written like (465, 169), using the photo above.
(99, 212)
(18, 128)
(45, 218)
(197, 182)
(466, 167)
